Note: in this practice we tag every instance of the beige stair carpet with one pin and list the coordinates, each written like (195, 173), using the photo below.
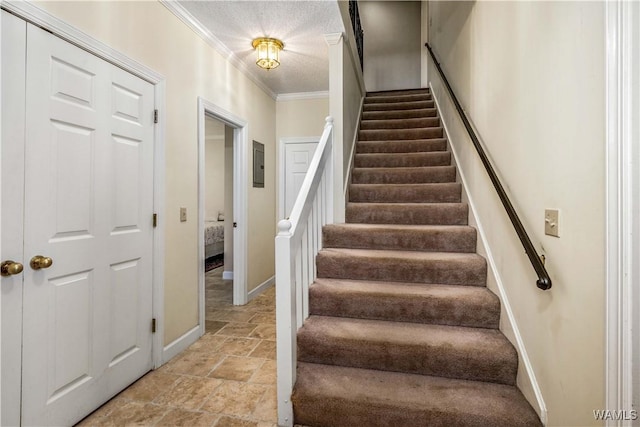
(402, 329)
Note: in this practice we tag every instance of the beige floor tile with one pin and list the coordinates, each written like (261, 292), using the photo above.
(134, 413)
(265, 350)
(194, 363)
(230, 315)
(267, 408)
(264, 317)
(226, 421)
(265, 374)
(237, 368)
(208, 343)
(150, 386)
(238, 346)
(237, 329)
(235, 398)
(189, 392)
(213, 326)
(264, 332)
(180, 417)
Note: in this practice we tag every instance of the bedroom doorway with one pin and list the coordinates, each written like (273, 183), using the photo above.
(222, 201)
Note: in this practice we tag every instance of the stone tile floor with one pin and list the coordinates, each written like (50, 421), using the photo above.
(225, 379)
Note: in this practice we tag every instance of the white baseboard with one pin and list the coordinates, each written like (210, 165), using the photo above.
(493, 267)
(227, 275)
(262, 287)
(180, 344)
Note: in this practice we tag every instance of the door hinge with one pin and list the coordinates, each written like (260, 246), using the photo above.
(155, 220)
(155, 116)
(153, 326)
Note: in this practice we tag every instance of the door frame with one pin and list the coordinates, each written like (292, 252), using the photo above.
(622, 340)
(39, 17)
(240, 201)
(282, 160)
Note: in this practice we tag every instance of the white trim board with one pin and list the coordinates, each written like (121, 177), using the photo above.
(622, 341)
(240, 201)
(294, 96)
(179, 344)
(196, 26)
(522, 351)
(352, 155)
(262, 287)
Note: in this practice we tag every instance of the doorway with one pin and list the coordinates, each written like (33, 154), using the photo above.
(231, 132)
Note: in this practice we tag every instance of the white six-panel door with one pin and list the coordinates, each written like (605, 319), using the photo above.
(297, 159)
(88, 204)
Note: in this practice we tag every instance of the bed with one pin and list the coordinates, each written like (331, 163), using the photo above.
(213, 238)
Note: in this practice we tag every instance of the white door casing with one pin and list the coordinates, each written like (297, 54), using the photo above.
(88, 180)
(295, 156)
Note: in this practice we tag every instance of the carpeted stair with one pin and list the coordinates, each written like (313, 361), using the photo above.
(402, 329)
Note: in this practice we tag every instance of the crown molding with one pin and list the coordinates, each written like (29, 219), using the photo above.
(333, 38)
(197, 27)
(294, 96)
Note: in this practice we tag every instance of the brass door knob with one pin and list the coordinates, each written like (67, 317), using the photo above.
(39, 261)
(9, 268)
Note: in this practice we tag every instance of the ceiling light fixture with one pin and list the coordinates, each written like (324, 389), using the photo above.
(268, 52)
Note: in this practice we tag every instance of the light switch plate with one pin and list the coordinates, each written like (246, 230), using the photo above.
(183, 214)
(551, 222)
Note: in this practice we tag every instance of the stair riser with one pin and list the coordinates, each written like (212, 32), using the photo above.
(442, 359)
(318, 411)
(484, 313)
(402, 160)
(392, 269)
(407, 240)
(390, 135)
(397, 98)
(400, 123)
(405, 193)
(415, 146)
(404, 176)
(400, 114)
(450, 214)
(392, 106)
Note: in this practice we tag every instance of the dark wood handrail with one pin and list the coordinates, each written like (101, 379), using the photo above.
(544, 281)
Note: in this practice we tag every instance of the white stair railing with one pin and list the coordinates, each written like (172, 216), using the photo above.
(298, 241)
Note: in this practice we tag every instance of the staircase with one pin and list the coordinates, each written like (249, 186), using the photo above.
(402, 329)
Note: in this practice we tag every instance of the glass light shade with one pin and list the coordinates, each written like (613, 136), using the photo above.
(268, 52)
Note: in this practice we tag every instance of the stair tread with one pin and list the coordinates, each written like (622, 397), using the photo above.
(474, 340)
(403, 174)
(450, 351)
(403, 227)
(453, 213)
(446, 238)
(344, 396)
(403, 255)
(407, 302)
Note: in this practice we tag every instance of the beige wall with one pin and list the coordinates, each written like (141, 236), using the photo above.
(153, 36)
(301, 117)
(531, 76)
(391, 44)
(214, 169)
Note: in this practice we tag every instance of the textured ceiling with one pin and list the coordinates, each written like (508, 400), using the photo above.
(301, 25)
